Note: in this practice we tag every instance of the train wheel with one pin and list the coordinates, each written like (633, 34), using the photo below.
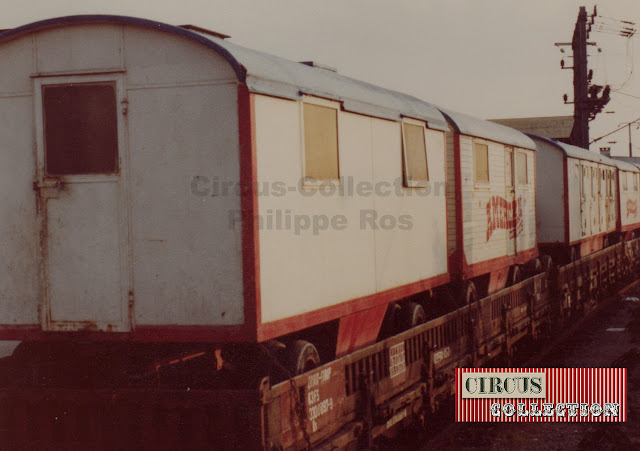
(573, 255)
(471, 294)
(533, 267)
(411, 315)
(302, 357)
(515, 276)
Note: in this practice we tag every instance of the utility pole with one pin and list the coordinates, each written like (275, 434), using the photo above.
(580, 132)
(587, 103)
(628, 125)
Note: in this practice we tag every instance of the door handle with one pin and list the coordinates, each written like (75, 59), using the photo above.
(49, 183)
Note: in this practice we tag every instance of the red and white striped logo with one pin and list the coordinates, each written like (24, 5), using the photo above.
(541, 394)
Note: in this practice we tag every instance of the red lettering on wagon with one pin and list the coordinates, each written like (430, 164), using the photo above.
(632, 208)
(500, 215)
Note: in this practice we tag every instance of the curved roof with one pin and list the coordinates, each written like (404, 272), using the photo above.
(272, 75)
(576, 152)
(472, 126)
(625, 165)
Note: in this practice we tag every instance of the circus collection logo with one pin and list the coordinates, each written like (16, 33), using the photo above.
(541, 395)
(632, 208)
(500, 215)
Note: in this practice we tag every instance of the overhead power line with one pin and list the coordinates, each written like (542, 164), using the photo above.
(616, 130)
(625, 94)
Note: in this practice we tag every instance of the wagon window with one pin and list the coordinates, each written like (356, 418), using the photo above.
(416, 170)
(321, 142)
(80, 128)
(481, 162)
(508, 166)
(521, 168)
(635, 182)
(623, 175)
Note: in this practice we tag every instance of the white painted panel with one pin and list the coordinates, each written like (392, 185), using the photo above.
(550, 194)
(188, 263)
(79, 47)
(587, 206)
(20, 53)
(83, 256)
(19, 230)
(419, 251)
(629, 200)
(575, 196)
(526, 210)
(187, 257)
(305, 270)
(484, 238)
(154, 57)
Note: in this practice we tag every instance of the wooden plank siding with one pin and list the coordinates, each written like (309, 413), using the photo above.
(479, 245)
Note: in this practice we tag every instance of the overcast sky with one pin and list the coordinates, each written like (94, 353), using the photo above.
(489, 58)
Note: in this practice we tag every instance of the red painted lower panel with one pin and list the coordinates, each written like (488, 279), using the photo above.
(591, 245)
(600, 236)
(359, 329)
(285, 326)
(496, 264)
(498, 280)
(630, 227)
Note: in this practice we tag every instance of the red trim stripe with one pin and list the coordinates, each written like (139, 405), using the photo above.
(284, 326)
(249, 206)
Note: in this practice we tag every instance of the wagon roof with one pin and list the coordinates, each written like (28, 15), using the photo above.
(267, 74)
(578, 153)
(473, 126)
(627, 164)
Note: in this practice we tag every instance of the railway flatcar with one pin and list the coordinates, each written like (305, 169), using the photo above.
(491, 203)
(166, 185)
(577, 199)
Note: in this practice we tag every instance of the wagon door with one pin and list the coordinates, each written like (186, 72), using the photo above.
(597, 199)
(608, 199)
(510, 195)
(80, 135)
(584, 197)
(602, 199)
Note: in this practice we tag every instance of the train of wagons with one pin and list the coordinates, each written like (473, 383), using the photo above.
(166, 192)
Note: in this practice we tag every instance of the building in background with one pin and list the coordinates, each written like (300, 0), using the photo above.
(553, 127)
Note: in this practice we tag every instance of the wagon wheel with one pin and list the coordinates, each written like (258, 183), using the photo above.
(471, 294)
(573, 254)
(302, 356)
(515, 276)
(534, 267)
(411, 315)
(547, 263)
(566, 307)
